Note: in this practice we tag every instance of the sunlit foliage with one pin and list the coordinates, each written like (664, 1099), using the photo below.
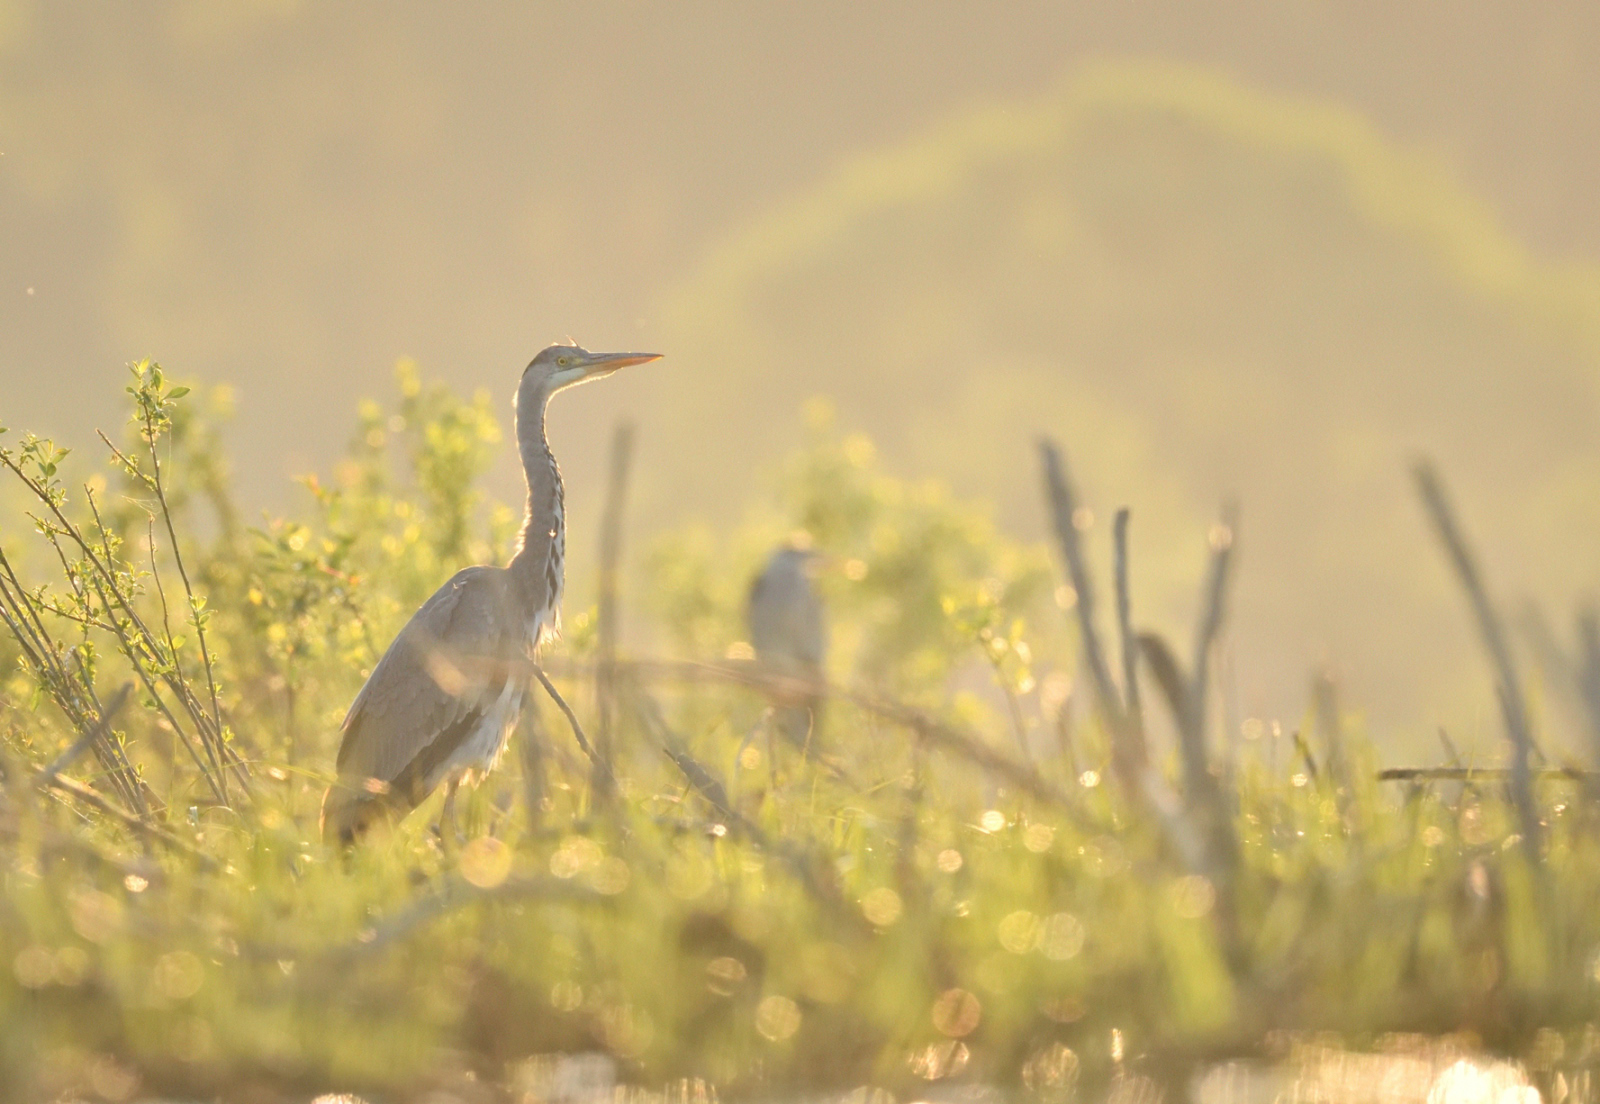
(952, 887)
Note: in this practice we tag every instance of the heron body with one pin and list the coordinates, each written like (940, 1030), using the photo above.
(789, 633)
(441, 702)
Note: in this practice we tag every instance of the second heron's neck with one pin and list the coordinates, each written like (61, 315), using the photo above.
(537, 562)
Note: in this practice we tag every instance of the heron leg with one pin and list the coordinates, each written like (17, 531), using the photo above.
(749, 738)
(772, 747)
(449, 830)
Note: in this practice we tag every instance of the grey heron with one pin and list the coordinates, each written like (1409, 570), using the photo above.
(440, 703)
(789, 633)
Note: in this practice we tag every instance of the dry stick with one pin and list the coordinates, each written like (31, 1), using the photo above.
(1480, 774)
(1325, 698)
(1063, 727)
(572, 719)
(1129, 754)
(1164, 666)
(606, 624)
(1019, 723)
(455, 894)
(100, 728)
(144, 650)
(936, 733)
(1588, 672)
(95, 800)
(1130, 757)
(698, 775)
(166, 628)
(27, 628)
(112, 756)
(1204, 785)
(1130, 648)
(1449, 746)
(530, 748)
(30, 632)
(703, 781)
(1516, 716)
(1210, 624)
(175, 679)
(183, 573)
(161, 704)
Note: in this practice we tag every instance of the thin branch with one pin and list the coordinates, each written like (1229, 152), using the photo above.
(1019, 723)
(161, 705)
(1129, 754)
(530, 748)
(1222, 537)
(183, 573)
(1481, 774)
(1130, 647)
(572, 719)
(805, 867)
(937, 733)
(1325, 698)
(455, 894)
(607, 616)
(72, 692)
(95, 800)
(1588, 672)
(1510, 690)
(210, 738)
(83, 743)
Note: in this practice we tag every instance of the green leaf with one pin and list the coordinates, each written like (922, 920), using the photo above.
(177, 392)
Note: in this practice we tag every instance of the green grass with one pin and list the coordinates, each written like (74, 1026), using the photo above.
(919, 902)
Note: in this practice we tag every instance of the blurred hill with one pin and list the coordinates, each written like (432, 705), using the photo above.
(1207, 293)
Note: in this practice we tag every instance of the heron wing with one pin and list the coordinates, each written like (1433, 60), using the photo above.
(431, 688)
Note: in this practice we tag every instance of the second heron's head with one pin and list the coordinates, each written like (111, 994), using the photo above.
(562, 366)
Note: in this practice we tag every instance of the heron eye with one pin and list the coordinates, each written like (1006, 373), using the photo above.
(563, 361)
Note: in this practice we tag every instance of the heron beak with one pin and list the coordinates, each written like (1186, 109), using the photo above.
(603, 364)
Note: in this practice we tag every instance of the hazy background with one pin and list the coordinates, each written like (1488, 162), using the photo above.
(1270, 250)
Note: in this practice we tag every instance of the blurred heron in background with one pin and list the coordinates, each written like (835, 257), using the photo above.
(789, 632)
(440, 703)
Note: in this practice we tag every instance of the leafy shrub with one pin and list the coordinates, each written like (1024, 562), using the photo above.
(958, 886)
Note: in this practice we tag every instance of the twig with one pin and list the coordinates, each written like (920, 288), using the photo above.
(83, 743)
(970, 747)
(72, 694)
(1515, 712)
(530, 747)
(456, 893)
(704, 782)
(607, 617)
(155, 696)
(183, 572)
(1129, 754)
(145, 643)
(1205, 638)
(1325, 697)
(1480, 774)
(1130, 647)
(95, 800)
(572, 719)
(1307, 756)
(1019, 723)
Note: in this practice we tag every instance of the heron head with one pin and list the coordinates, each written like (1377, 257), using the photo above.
(564, 365)
(798, 556)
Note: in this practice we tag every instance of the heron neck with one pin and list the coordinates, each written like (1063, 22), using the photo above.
(540, 544)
